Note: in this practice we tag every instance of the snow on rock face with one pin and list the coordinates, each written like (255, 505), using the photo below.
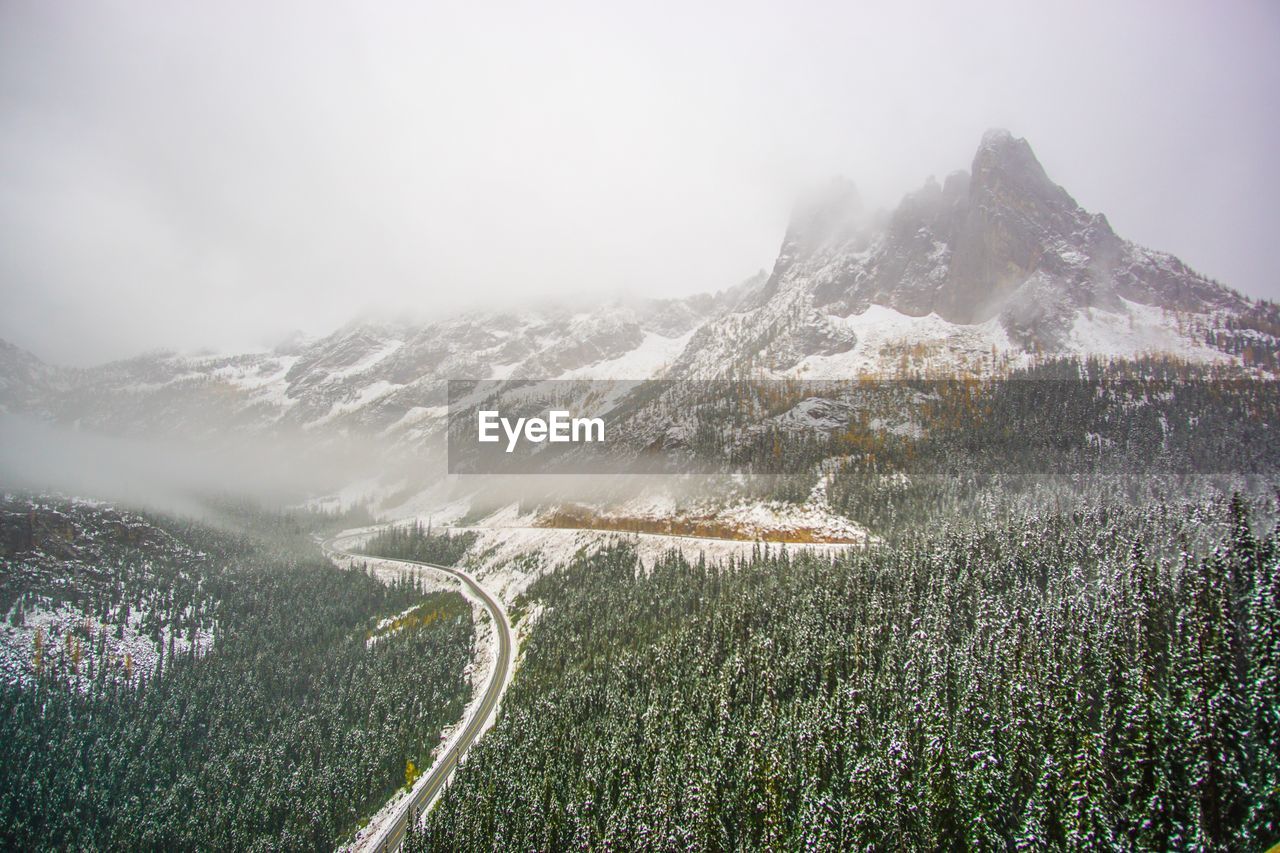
(388, 380)
(1000, 245)
(650, 357)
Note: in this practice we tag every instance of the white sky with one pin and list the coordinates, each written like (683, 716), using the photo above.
(187, 175)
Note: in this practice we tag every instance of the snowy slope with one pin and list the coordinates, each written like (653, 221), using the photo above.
(386, 380)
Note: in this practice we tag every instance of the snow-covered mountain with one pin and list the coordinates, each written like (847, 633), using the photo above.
(990, 270)
(987, 270)
(379, 379)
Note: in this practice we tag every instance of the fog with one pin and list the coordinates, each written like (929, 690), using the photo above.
(189, 477)
(180, 476)
(217, 175)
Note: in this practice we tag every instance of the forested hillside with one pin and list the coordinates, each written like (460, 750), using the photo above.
(893, 455)
(282, 731)
(1108, 677)
(415, 542)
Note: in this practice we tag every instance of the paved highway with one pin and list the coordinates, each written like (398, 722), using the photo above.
(424, 795)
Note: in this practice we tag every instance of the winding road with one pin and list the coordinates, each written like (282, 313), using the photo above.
(390, 837)
(424, 794)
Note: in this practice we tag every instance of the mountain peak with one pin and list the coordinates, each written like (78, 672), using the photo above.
(999, 143)
(1006, 161)
(1002, 242)
(825, 216)
(996, 136)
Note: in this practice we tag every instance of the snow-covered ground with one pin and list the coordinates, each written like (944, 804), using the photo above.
(649, 359)
(777, 517)
(508, 559)
(370, 393)
(886, 337)
(888, 340)
(511, 550)
(64, 630)
(74, 556)
(1141, 330)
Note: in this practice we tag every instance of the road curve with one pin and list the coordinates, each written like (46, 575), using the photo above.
(424, 795)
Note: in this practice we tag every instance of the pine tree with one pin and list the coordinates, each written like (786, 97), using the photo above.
(1264, 690)
(1215, 707)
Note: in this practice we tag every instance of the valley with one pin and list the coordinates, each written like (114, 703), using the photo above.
(955, 529)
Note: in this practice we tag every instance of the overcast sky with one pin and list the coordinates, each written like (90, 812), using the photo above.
(187, 175)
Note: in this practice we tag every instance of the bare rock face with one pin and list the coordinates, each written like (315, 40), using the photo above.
(1017, 222)
(828, 222)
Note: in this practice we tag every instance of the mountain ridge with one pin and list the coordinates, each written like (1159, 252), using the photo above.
(1000, 243)
(984, 272)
